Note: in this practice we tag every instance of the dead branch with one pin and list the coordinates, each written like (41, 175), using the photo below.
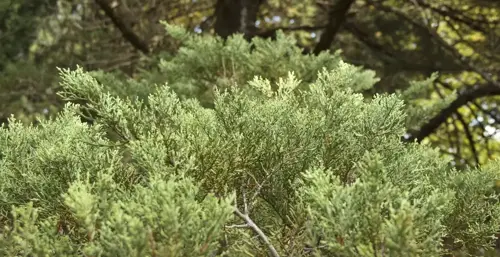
(249, 223)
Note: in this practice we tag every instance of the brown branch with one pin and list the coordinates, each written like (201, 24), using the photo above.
(469, 136)
(365, 39)
(464, 98)
(126, 31)
(482, 127)
(461, 119)
(336, 16)
(464, 61)
(489, 113)
(454, 15)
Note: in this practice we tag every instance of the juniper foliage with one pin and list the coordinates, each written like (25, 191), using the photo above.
(284, 163)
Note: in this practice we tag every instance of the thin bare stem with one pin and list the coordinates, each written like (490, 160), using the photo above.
(250, 224)
(258, 231)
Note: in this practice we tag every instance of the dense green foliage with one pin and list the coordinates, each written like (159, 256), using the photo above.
(290, 160)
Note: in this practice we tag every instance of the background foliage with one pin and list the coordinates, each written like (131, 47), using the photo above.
(400, 40)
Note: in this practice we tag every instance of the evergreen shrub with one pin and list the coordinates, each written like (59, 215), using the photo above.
(235, 149)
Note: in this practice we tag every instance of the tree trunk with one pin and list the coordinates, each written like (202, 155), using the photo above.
(336, 17)
(236, 16)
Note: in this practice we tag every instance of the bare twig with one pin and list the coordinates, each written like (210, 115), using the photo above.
(245, 204)
(237, 226)
(258, 231)
(250, 224)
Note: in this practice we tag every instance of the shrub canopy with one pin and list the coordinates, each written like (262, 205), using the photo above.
(235, 149)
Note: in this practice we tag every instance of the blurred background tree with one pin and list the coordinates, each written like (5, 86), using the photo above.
(399, 39)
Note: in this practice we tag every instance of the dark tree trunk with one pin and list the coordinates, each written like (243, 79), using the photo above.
(336, 17)
(236, 16)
